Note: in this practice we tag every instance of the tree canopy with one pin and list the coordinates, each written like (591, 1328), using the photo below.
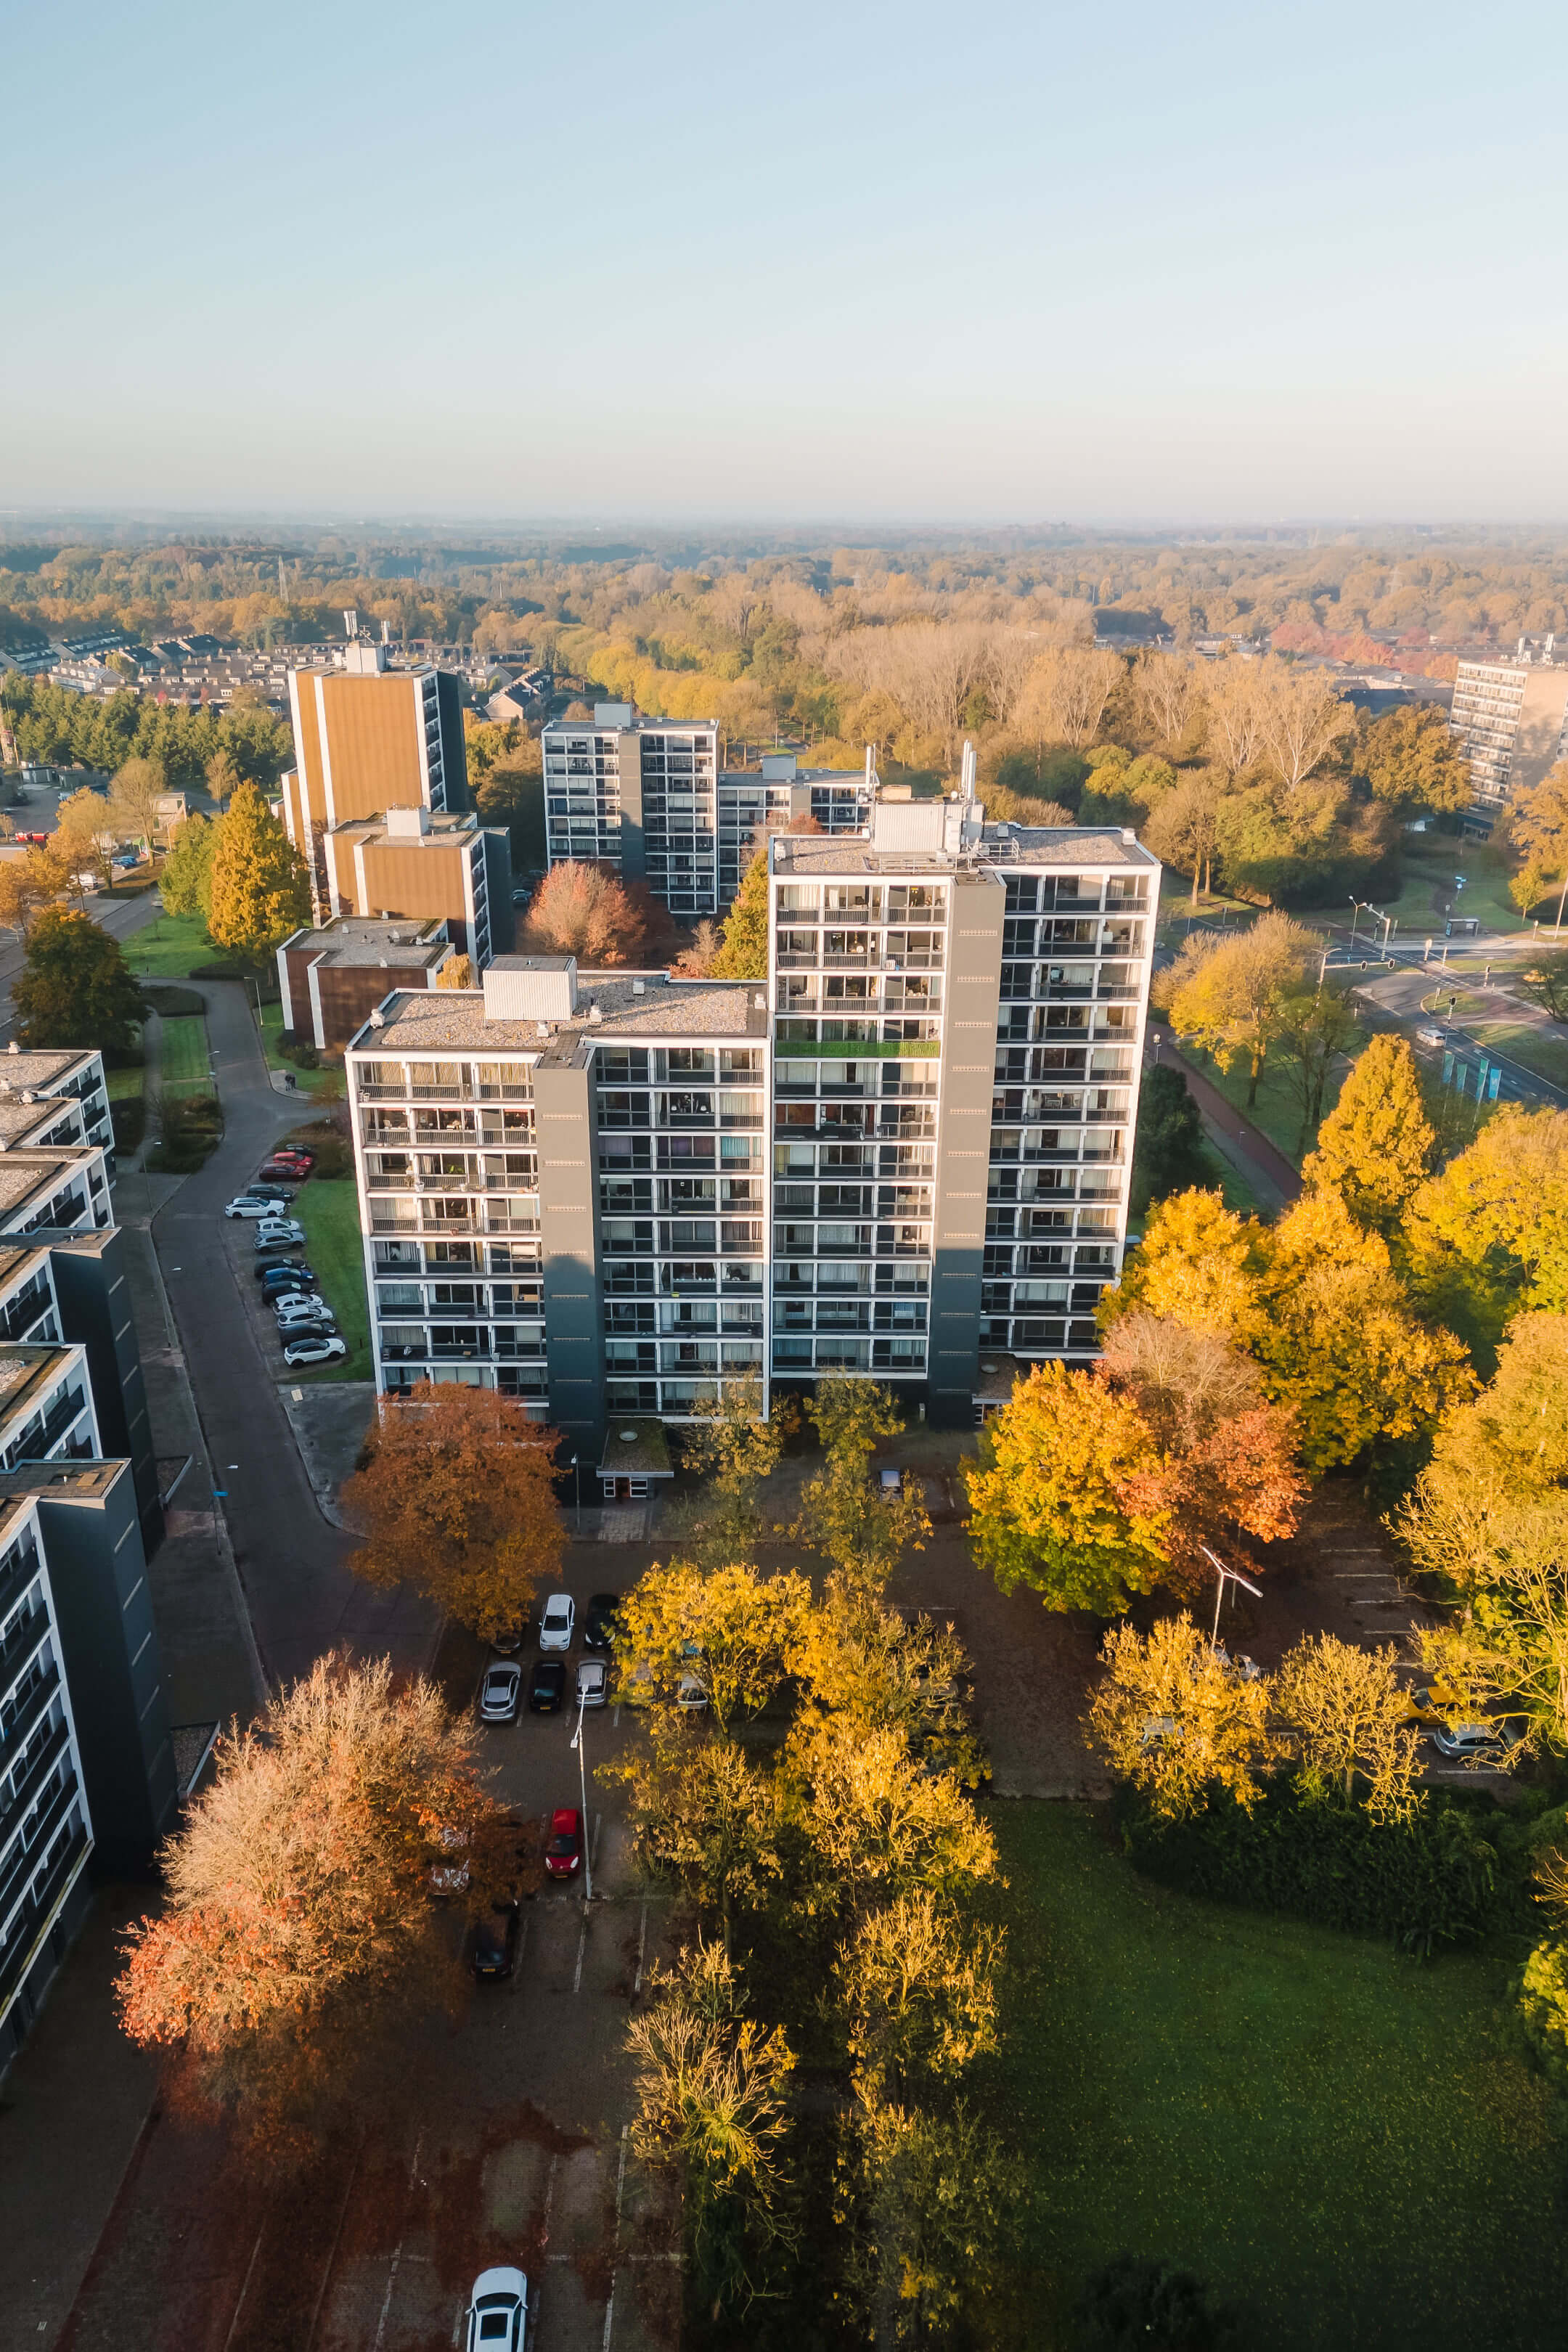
(75, 987)
(258, 890)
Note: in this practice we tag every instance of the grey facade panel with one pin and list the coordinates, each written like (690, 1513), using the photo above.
(454, 752)
(98, 1575)
(497, 890)
(94, 1294)
(963, 1142)
(633, 839)
(573, 1306)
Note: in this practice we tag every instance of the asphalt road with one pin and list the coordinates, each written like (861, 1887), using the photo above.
(292, 1563)
(120, 917)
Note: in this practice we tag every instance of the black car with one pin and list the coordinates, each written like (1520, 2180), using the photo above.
(269, 1269)
(288, 1281)
(599, 1629)
(509, 1643)
(547, 1686)
(492, 1944)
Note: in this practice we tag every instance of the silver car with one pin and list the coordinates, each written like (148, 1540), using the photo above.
(499, 1691)
(592, 1682)
(498, 2312)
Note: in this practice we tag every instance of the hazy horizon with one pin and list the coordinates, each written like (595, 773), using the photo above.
(712, 272)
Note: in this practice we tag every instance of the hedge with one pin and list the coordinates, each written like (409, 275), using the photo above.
(1426, 1881)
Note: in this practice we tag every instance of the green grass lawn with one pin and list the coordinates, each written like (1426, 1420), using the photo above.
(1349, 2146)
(329, 1211)
(309, 1082)
(124, 1086)
(183, 1063)
(169, 947)
(1432, 866)
(1276, 1114)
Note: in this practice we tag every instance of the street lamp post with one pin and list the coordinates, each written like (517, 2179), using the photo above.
(583, 1783)
(1226, 1575)
(576, 1463)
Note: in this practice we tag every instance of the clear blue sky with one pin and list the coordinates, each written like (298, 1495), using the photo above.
(808, 262)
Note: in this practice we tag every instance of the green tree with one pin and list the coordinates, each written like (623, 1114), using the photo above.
(929, 2191)
(702, 1812)
(1375, 1146)
(1411, 760)
(185, 884)
(75, 987)
(847, 1517)
(256, 744)
(1048, 1495)
(1312, 1033)
(83, 835)
(1169, 1153)
(733, 1448)
(743, 946)
(260, 890)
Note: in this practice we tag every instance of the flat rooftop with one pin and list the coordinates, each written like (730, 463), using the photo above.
(452, 1021)
(23, 1173)
(368, 942)
(442, 825)
(38, 1069)
(24, 1371)
(1064, 846)
(62, 1482)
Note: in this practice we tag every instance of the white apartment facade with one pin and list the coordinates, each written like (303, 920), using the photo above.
(1511, 719)
(638, 795)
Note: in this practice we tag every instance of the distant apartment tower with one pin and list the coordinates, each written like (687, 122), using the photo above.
(638, 795)
(781, 793)
(645, 797)
(377, 803)
(1511, 719)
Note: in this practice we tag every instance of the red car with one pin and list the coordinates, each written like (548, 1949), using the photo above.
(563, 1846)
(301, 1162)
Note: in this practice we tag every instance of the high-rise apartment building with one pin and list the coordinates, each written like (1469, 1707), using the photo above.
(1511, 719)
(377, 803)
(646, 798)
(904, 1155)
(640, 796)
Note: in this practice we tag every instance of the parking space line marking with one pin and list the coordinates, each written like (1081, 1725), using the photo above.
(609, 2314)
(582, 1947)
(332, 2255)
(593, 1841)
(642, 1946)
(550, 2197)
(397, 2250)
(245, 2289)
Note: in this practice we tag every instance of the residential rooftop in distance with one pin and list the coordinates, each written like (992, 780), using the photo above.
(453, 1020)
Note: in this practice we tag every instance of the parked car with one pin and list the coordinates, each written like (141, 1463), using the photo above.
(293, 1157)
(1431, 1035)
(555, 1627)
(563, 1846)
(493, 1940)
(271, 1256)
(546, 1686)
(891, 1482)
(303, 1311)
(261, 1191)
(1473, 1743)
(321, 1347)
(498, 1693)
(449, 1875)
(593, 1682)
(280, 1279)
(599, 1625)
(691, 1694)
(498, 2312)
(247, 1205)
(509, 1641)
(286, 1229)
(281, 1172)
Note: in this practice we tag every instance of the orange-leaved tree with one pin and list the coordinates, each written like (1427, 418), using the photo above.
(299, 1933)
(457, 1498)
(581, 911)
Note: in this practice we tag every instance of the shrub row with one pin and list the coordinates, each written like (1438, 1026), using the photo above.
(1427, 1881)
(193, 1130)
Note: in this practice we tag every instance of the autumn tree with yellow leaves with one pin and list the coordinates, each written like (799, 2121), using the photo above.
(259, 892)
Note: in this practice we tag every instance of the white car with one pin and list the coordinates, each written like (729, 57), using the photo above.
(592, 1681)
(1431, 1037)
(499, 1692)
(498, 2312)
(891, 1482)
(278, 1229)
(247, 1207)
(556, 1625)
(306, 1316)
(318, 1347)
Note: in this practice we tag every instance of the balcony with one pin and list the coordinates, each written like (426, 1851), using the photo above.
(24, 1928)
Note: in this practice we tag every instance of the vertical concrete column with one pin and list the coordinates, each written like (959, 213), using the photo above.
(963, 1142)
(569, 1230)
(634, 838)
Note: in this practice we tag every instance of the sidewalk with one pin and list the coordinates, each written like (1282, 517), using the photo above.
(1247, 1150)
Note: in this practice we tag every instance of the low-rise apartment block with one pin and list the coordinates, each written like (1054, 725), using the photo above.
(905, 1154)
(331, 980)
(1511, 719)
